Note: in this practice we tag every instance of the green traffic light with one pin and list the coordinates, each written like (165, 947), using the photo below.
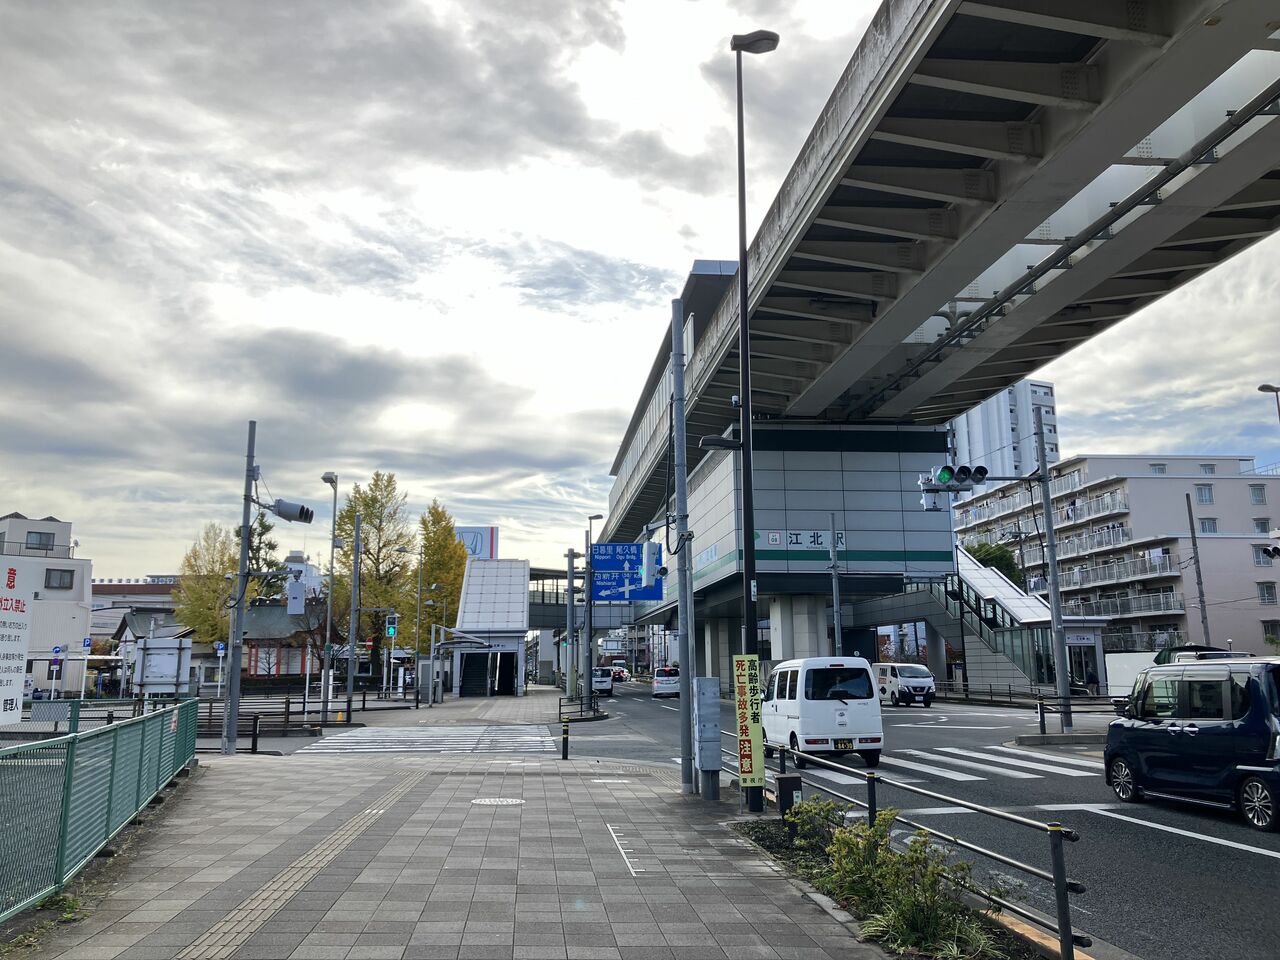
(946, 474)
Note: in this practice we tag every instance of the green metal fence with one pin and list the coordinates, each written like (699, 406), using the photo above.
(61, 800)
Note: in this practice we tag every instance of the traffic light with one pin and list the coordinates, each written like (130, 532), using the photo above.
(287, 510)
(955, 478)
(651, 567)
(1272, 552)
(393, 621)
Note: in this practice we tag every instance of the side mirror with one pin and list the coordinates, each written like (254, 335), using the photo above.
(1120, 705)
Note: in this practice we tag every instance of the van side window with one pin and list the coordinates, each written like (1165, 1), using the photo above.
(1240, 698)
(793, 677)
(895, 672)
(1160, 698)
(1203, 699)
(769, 687)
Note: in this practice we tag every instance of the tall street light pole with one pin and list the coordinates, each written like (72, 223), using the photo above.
(1273, 390)
(759, 41)
(587, 646)
(331, 479)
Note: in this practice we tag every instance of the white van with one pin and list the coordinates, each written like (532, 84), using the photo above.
(825, 705)
(602, 680)
(904, 683)
(666, 682)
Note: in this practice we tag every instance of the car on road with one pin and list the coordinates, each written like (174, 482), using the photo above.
(620, 674)
(902, 684)
(823, 705)
(602, 680)
(1207, 732)
(666, 682)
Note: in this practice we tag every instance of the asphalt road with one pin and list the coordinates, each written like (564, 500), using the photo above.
(1165, 881)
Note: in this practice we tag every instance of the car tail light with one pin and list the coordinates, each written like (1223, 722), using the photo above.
(814, 741)
(868, 739)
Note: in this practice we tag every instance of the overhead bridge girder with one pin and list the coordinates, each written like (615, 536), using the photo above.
(870, 286)
(926, 183)
(992, 139)
(913, 224)
(905, 258)
(1070, 85)
(816, 308)
(1134, 20)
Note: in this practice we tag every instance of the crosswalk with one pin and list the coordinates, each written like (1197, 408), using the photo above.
(521, 738)
(971, 764)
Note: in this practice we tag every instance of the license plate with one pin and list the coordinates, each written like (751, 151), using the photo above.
(844, 744)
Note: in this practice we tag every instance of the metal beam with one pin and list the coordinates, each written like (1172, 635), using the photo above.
(895, 257)
(803, 331)
(1261, 193)
(992, 139)
(1209, 229)
(1132, 20)
(1125, 289)
(815, 308)
(913, 224)
(927, 183)
(1074, 86)
(789, 350)
(871, 286)
(1169, 261)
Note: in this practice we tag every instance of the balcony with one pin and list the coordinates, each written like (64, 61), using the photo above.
(1075, 546)
(1164, 566)
(1020, 500)
(1142, 642)
(1093, 507)
(1137, 605)
(55, 551)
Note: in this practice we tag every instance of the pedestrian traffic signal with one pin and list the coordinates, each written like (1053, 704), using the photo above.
(393, 621)
(651, 567)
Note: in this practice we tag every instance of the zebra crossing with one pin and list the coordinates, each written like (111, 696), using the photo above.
(971, 764)
(516, 738)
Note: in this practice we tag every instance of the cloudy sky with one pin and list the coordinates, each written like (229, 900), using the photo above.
(436, 238)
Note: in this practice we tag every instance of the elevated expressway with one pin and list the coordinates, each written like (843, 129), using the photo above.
(990, 184)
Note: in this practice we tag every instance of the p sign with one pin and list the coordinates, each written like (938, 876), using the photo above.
(88, 643)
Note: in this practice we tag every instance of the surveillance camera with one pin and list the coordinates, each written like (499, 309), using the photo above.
(735, 401)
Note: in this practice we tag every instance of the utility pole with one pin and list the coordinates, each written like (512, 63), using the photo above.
(571, 625)
(587, 645)
(326, 665)
(837, 626)
(1061, 666)
(353, 632)
(683, 605)
(1195, 556)
(231, 709)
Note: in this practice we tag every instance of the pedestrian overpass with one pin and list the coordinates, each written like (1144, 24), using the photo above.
(990, 184)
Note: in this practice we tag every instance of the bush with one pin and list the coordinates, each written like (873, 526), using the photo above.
(862, 864)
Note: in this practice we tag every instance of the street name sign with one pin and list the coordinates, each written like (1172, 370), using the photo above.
(615, 573)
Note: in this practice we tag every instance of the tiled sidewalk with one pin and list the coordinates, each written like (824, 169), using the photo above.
(356, 858)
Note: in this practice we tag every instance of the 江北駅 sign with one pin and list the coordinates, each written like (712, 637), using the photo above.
(18, 583)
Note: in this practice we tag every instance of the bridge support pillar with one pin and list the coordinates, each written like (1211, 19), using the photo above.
(781, 629)
(936, 651)
(809, 626)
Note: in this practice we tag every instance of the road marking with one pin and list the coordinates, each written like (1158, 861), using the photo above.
(625, 859)
(1077, 806)
(1275, 854)
(984, 767)
(925, 768)
(935, 811)
(665, 707)
(1044, 767)
(950, 726)
(1075, 761)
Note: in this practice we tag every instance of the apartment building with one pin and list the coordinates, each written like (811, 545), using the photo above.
(1000, 432)
(1125, 548)
(62, 605)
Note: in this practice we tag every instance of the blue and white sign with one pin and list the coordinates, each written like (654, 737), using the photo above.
(220, 647)
(56, 650)
(88, 642)
(615, 573)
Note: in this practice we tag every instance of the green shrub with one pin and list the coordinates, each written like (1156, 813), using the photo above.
(862, 864)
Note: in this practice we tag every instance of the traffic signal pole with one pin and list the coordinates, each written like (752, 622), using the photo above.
(1061, 666)
(231, 708)
(353, 631)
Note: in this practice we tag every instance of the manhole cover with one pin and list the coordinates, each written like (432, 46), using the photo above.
(497, 802)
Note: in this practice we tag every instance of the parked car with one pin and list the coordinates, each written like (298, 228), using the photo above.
(666, 682)
(823, 705)
(902, 684)
(602, 680)
(1206, 732)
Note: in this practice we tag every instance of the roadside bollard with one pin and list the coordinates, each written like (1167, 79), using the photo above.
(349, 707)
(564, 740)
(111, 716)
(1040, 712)
(782, 759)
(1066, 943)
(257, 723)
(789, 793)
(364, 699)
(871, 798)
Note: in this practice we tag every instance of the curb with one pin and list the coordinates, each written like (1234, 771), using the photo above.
(600, 716)
(1046, 739)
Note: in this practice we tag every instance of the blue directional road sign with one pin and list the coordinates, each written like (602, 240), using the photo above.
(615, 573)
(56, 650)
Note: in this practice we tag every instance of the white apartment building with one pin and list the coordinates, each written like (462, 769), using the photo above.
(1000, 432)
(62, 611)
(1125, 546)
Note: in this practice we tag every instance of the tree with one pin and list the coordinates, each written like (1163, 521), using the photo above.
(998, 557)
(444, 562)
(387, 552)
(203, 590)
(262, 553)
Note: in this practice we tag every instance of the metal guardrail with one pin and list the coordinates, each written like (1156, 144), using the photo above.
(579, 708)
(62, 800)
(1029, 697)
(1057, 834)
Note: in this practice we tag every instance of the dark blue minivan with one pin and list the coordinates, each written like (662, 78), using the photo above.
(1207, 732)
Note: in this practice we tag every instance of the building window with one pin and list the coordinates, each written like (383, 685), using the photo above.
(39, 541)
(1260, 558)
(1208, 469)
(1159, 468)
(1267, 593)
(1271, 631)
(59, 579)
(1204, 493)
(1208, 524)
(1262, 525)
(1257, 493)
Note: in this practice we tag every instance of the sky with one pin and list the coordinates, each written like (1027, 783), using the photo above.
(433, 238)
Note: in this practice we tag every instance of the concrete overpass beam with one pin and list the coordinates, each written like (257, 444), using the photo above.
(879, 287)
(994, 140)
(813, 323)
(1212, 229)
(947, 186)
(903, 258)
(1133, 20)
(1166, 261)
(889, 222)
(1050, 84)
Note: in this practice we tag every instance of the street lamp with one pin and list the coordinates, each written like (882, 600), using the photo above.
(1270, 388)
(588, 648)
(331, 479)
(758, 41)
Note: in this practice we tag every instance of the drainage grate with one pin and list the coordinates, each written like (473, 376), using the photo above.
(497, 802)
